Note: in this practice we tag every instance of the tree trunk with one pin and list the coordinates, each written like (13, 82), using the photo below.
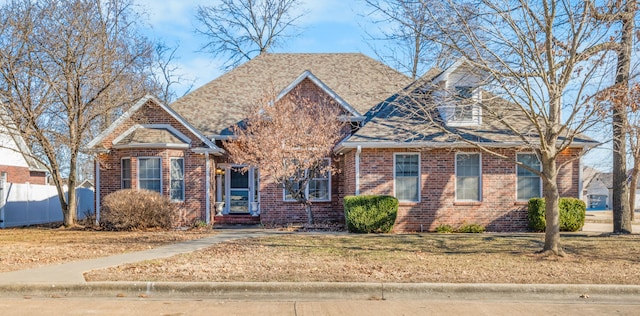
(621, 210)
(307, 207)
(552, 212)
(633, 184)
(69, 213)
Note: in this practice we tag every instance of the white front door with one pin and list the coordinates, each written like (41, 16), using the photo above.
(238, 190)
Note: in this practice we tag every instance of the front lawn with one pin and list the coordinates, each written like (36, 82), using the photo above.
(23, 248)
(457, 258)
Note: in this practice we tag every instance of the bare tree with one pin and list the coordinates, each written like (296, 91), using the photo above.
(65, 68)
(526, 57)
(289, 141)
(624, 14)
(634, 148)
(239, 30)
(166, 74)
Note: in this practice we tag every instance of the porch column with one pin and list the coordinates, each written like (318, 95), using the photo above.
(207, 203)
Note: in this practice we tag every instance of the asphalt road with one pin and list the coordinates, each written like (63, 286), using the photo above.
(168, 307)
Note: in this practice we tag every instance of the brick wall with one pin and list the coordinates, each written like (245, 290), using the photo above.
(498, 209)
(17, 174)
(193, 208)
(274, 210)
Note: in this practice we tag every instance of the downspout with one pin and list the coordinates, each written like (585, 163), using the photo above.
(358, 151)
(97, 168)
(207, 198)
(580, 184)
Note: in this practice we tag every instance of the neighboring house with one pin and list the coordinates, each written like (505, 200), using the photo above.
(599, 191)
(15, 160)
(178, 150)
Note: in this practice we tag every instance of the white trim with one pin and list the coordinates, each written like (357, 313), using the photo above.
(357, 158)
(168, 127)
(207, 198)
(130, 174)
(153, 145)
(419, 188)
(135, 108)
(97, 192)
(455, 173)
(307, 74)
(138, 171)
(306, 190)
(420, 144)
(580, 184)
(516, 171)
(170, 179)
(445, 74)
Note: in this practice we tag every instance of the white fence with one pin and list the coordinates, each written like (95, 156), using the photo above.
(31, 204)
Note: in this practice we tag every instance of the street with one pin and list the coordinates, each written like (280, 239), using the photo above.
(174, 307)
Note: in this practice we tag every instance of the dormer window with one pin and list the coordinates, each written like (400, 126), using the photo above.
(464, 109)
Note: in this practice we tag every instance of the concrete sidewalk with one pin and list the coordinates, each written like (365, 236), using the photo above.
(602, 227)
(72, 272)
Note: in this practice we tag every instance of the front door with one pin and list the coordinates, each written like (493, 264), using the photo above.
(238, 192)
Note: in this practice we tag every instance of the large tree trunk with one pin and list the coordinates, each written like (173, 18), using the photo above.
(633, 184)
(621, 210)
(69, 214)
(552, 212)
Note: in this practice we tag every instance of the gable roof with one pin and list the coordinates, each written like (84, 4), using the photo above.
(308, 75)
(98, 139)
(10, 133)
(400, 122)
(151, 136)
(354, 80)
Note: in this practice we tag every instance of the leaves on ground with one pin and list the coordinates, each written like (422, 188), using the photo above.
(457, 258)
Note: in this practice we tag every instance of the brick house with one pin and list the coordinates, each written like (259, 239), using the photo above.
(15, 163)
(178, 150)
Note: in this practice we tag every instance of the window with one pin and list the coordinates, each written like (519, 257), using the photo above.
(528, 183)
(465, 109)
(468, 177)
(149, 175)
(319, 186)
(177, 179)
(125, 169)
(407, 177)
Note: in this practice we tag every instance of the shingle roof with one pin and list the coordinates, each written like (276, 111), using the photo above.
(150, 136)
(359, 80)
(403, 121)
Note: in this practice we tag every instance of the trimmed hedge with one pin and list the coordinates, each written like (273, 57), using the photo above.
(136, 209)
(370, 213)
(572, 214)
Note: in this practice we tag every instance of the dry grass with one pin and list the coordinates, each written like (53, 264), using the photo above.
(22, 248)
(457, 258)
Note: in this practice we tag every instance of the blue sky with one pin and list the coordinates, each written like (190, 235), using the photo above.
(329, 26)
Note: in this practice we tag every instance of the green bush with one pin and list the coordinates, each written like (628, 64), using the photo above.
(572, 214)
(471, 228)
(370, 213)
(445, 229)
(535, 214)
(136, 209)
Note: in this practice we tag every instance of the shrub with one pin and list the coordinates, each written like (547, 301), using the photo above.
(572, 214)
(535, 214)
(471, 228)
(370, 213)
(136, 209)
(445, 229)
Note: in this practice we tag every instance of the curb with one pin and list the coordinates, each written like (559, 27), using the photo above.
(270, 291)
